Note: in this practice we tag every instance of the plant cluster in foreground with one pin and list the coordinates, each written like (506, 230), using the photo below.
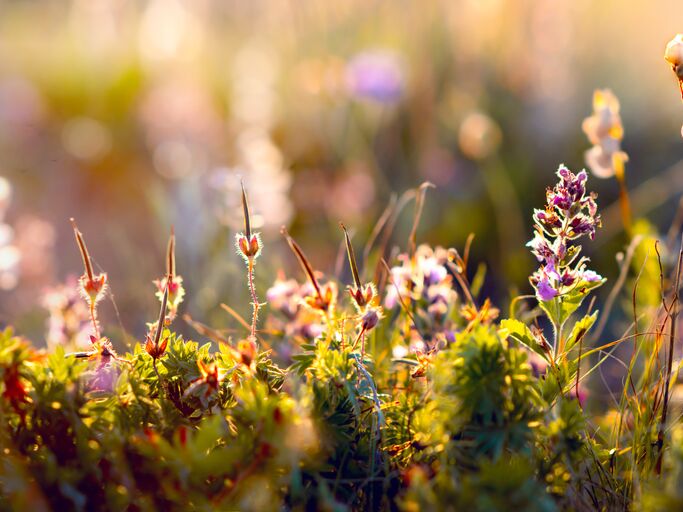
(408, 392)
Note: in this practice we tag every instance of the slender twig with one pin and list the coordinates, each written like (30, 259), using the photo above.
(245, 208)
(254, 299)
(400, 300)
(673, 318)
(378, 227)
(419, 205)
(160, 325)
(170, 255)
(87, 263)
(405, 198)
(303, 261)
(352, 257)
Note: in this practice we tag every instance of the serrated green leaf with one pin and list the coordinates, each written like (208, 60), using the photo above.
(520, 332)
(579, 330)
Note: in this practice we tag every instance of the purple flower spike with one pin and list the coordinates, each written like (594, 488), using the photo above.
(569, 214)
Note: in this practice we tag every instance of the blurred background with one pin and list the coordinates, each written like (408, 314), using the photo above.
(136, 116)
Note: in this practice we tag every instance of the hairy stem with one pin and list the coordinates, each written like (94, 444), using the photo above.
(254, 298)
(93, 318)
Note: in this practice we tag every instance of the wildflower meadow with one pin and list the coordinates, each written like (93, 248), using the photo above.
(354, 343)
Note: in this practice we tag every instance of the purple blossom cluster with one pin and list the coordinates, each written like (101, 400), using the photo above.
(424, 278)
(425, 286)
(570, 213)
(288, 297)
(69, 321)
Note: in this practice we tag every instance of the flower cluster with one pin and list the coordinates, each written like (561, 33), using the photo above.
(69, 320)
(424, 278)
(570, 213)
(605, 131)
(288, 297)
(423, 284)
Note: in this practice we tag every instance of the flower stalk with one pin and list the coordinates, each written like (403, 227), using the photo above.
(562, 280)
(91, 286)
(249, 247)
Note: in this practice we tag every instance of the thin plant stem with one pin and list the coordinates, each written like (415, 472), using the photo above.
(254, 299)
(93, 318)
(673, 319)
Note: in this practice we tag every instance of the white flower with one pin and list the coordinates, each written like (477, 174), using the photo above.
(674, 51)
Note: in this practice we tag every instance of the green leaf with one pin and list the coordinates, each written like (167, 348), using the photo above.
(561, 308)
(520, 332)
(580, 329)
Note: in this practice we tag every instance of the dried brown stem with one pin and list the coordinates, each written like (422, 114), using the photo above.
(352, 257)
(303, 261)
(673, 319)
(84, 250)
(245, 208)
(419, 205)
(170, 255)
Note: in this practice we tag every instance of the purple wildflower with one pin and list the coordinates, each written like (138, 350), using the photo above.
(569, 214)
(591, 276)
(375, 75)
(544, 290)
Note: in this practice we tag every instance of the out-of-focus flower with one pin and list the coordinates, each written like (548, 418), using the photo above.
(10, 255)
(424, 279)
(22, 110)
(423, 284)
(102, 378)
(674, 54)
(324, 76)
(35, 240)
(375, 75)
(287, 297)
(208, 381)
(605, 131)
(538, 364)
(69, 320)
(86, 138)
(479, 136)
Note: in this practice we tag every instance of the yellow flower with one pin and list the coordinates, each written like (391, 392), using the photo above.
(605, 131)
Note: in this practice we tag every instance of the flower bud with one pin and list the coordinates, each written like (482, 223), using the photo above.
(248, 351)
(249, 247)
(93, 288)
(364, 295)
(370, 319)
(674, 51)
(154, 350)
